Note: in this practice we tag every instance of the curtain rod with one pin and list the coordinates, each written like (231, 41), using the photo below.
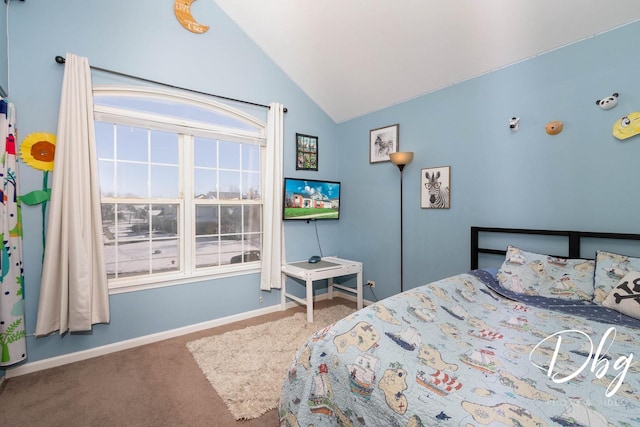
(61, 60)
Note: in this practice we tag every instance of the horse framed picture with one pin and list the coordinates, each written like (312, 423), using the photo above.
(435, 188)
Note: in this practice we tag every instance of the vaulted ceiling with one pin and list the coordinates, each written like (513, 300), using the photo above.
(353, 57)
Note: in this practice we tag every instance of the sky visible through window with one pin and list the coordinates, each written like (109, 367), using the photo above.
(147, 164)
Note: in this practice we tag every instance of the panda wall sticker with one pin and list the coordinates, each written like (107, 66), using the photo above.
(608, 102)
(514, 123)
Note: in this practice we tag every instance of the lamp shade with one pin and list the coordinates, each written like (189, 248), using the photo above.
(401, 158)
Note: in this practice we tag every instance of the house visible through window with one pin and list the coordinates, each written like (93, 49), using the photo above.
(180, 182)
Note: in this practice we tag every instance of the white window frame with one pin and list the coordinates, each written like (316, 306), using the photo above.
(187, 130)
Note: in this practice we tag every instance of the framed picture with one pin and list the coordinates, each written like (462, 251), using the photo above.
(306, 152)
(383, 141)
(435, 188)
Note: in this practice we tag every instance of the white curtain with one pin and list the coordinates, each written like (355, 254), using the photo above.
(73, 291)
(273, 240)
(12, 332)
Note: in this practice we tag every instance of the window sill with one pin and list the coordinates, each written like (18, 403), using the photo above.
(161, 281)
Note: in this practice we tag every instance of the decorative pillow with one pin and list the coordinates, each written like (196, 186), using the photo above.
(537, 274)
(625, 296)
(610, 268)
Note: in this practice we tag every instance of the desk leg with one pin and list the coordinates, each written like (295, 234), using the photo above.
(283, 293)
(330, 288)
(360, 302)
(309, 300)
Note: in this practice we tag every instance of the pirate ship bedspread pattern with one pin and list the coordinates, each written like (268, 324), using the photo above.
(455, 352)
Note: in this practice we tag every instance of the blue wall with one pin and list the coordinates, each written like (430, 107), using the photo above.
(582, 178)
(143, 38)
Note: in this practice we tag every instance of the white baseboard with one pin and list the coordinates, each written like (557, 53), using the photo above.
(64, 359)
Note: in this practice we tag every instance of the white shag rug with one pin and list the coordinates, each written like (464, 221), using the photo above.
(248, 366)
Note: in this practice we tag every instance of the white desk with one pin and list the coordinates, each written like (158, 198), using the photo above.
(327, 268)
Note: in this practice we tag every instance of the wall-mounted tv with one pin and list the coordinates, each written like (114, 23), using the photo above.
(310, 199)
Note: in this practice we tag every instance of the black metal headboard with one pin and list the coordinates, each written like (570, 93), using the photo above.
(573, 240)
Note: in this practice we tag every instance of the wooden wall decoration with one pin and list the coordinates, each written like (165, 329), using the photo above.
(182, 9)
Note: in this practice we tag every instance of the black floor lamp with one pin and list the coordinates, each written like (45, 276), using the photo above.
(401, 159)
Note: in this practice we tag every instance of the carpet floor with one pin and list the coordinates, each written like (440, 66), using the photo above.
(158, 384)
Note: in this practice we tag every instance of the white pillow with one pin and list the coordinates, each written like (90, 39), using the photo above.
(625, 296)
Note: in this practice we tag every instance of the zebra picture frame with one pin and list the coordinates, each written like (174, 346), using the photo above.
(382, 142)
(435, 188)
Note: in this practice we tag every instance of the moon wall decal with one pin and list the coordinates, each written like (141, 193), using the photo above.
(182, 9)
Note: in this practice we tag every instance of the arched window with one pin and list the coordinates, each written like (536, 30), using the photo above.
(181, 187)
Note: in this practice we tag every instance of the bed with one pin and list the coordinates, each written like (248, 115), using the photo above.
(528, 339)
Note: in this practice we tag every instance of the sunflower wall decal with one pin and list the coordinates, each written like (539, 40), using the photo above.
(38, 151)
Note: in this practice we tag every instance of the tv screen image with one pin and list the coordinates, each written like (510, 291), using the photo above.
(310, 199)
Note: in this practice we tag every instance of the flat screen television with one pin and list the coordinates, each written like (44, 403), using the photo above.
(310, 199)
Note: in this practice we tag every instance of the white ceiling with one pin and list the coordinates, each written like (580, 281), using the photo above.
(353, 57)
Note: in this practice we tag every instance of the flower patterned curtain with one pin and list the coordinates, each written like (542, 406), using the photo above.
(12, 331)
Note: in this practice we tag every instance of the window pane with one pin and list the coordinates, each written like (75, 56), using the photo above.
(132, 180)
(133, 258)
(107, 183)
(231, 220)
(253, 245)
(104, 140)
(165, 256)
(229, 185)
(250, 157)
(252, 219)
(164, 221)
(208, 242)
(248, 251)
(231, 249)
(231, 244)
(165, 182)
(132, 221)
(108, 213)
(254, 242)
(206, 220)
(164, 147)
(229, 154)
(205, 184)
(251, 184)
(132, 143)
(204, 152)
(207, 251)
(108, 222)
(140, 238)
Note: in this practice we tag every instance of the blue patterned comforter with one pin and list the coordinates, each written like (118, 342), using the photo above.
(457, 353)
